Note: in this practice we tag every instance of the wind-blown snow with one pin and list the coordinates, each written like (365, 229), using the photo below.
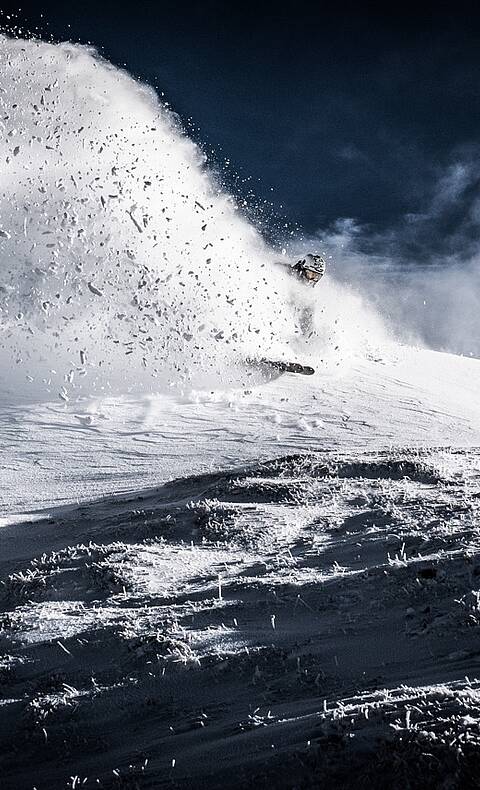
(122, 262)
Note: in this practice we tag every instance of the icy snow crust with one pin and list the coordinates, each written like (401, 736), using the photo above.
(245, 584)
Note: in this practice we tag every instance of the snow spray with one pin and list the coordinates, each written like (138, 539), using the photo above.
(123, 264)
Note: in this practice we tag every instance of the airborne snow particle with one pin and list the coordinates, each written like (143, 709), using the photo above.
(94, 289)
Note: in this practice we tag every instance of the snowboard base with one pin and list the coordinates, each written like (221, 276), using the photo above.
(284, 367)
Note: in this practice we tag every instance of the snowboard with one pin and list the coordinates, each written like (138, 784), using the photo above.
(285, 367)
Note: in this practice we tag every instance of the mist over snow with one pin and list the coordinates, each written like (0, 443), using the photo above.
(123, 264)
(423, 275)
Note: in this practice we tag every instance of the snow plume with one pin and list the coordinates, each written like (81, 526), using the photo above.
(422, 276)
(123, 265)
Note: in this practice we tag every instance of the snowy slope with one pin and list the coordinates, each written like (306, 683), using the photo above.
(59, 453)
(305, 611)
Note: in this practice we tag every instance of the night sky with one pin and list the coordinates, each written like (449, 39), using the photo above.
(342, 111)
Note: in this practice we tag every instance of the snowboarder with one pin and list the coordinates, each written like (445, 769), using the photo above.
(309, 269)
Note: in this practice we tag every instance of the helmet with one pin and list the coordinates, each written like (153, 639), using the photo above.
(311, 268)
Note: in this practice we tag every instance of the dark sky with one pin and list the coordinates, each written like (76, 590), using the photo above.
(344, 110)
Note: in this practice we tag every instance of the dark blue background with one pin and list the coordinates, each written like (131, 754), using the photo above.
(345, 110)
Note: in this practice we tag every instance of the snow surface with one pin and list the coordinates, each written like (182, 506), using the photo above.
(72, 452)
(212, 580)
